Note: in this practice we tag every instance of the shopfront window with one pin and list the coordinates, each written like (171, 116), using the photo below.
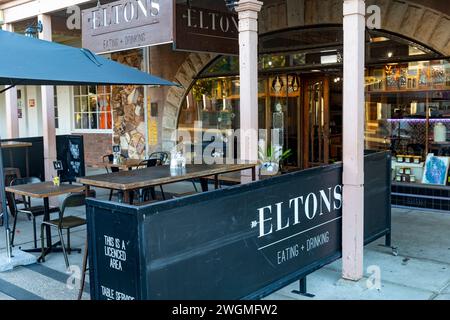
(408, 112)
(92, 108)
(300, 94)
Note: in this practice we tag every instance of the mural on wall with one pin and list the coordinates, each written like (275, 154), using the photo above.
(128, 109)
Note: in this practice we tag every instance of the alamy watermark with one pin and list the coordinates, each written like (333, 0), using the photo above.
(374, 279)
(373, 15)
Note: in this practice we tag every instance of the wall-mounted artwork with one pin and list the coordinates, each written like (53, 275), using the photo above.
(436, 170)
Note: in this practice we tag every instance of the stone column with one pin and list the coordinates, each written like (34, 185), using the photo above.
(248, 62)
(353, 153)
(12, 121)
(48, 109)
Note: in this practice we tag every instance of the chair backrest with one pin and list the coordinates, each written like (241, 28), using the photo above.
(21, 181)
(161, 156)
(110, 158)
(73, 200)
(152, 162)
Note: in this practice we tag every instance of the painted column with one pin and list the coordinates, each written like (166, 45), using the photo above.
(353, 153)
(48, 109)
(12, 120)
(248, 63)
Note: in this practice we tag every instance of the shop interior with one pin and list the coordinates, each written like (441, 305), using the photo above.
(300, 94)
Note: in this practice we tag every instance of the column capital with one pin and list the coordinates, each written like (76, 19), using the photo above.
(249, 5)
(354, 7)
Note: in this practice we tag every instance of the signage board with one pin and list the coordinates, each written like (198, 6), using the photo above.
(57, 165)
(116, 148)
(127, 24)
(284, 228)
(206, 29)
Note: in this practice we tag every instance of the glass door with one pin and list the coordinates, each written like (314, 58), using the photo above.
(316, 132)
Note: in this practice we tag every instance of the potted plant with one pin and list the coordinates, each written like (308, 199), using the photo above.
(270, 159)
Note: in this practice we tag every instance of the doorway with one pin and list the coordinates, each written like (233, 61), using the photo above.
(315, 134)
(306, 111)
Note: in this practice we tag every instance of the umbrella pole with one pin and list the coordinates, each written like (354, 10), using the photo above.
(4, 208)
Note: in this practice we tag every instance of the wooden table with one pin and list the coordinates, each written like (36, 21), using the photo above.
(10, 145)
(43, 191)
(129, 181)
(127, 164)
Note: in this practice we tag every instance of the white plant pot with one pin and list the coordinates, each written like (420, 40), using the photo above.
(269, 168)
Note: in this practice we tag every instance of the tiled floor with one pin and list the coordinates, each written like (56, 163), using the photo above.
(421, 270)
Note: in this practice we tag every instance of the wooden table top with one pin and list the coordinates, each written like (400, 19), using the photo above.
(126, 164)
(154, 176)
(44, 189)
(15, 144)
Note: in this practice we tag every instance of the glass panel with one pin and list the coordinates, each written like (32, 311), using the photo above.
(77, 118)
(84, 90)
(272, 61)
(84, 104)
(76, 90)
(84, 121)
(316, 123)
(411, 120)
(298, 59)
(92, 104)
(93, 120)
(77, 104)
(92, 90)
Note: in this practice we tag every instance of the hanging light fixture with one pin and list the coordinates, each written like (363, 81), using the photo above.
(277, 84)
(294, 83)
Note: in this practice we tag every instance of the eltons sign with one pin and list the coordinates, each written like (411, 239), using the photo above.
(243, 242)
(127, 24)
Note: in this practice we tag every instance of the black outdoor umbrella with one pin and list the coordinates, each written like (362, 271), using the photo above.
(29, 61)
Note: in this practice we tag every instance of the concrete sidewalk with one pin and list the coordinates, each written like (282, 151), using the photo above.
(421, 270)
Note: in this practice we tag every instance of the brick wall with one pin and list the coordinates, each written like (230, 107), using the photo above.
(96, 145)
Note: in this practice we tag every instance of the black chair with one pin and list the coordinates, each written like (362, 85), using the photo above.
(65, 223)
(144, 193)
(161, 157)
(109, 158)
(31, 211)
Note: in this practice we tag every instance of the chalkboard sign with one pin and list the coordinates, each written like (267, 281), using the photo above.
(116, 149)
(70, 151)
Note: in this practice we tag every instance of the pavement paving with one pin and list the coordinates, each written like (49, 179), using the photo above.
(420, 270)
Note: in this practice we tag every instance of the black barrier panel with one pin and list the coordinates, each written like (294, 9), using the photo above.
(69, 149)
(16, 157)
(244, 242)
(377, 196)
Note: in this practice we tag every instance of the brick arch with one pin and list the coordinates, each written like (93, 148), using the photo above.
(409, 19)
(406, 18)
(190, 68)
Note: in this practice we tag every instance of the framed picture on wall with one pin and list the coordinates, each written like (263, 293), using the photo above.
(436, 170)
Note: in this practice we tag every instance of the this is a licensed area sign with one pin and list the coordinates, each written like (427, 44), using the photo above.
(127, 24)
